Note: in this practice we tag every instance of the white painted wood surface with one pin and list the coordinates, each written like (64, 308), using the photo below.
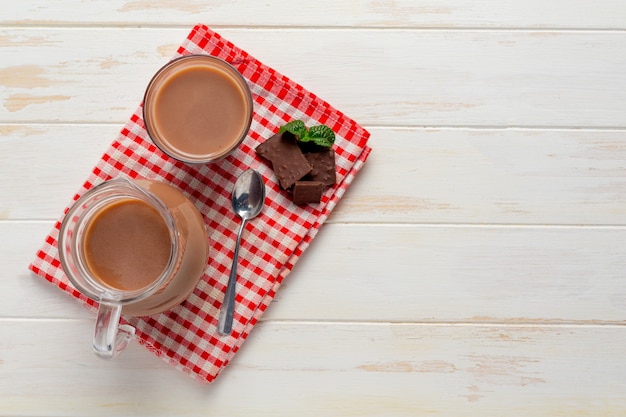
(476, 267)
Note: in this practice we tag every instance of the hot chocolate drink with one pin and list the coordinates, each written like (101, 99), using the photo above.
(194, 243)
(137, 247)
(127, 245)
(197, 108)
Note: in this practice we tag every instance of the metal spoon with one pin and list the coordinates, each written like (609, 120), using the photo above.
(248, 197)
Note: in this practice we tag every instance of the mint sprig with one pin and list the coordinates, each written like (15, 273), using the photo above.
(296, 128)
(321, 135)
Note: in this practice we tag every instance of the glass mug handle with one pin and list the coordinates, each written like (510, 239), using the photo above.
(110, 337)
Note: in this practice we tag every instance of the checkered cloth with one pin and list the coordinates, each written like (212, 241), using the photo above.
(186, 335)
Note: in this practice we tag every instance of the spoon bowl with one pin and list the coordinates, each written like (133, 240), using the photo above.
(247, 198)
(248, 195)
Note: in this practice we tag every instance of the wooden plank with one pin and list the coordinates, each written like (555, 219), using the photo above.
(490, 176)
(44, 165)
(430, 274)
(27, 295)
(414, 175)
(605, 14)
(327, 369)
(462, 78)
(458, 274)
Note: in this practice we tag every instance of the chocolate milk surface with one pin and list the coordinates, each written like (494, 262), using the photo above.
(127, 245)
(200, 110)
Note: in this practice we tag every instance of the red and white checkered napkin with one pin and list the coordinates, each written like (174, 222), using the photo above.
(186, 335)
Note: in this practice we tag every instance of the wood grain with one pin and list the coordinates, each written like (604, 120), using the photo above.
(604, 14)
(287, 369)
(430, 274)
(415, 175)
(404, 77)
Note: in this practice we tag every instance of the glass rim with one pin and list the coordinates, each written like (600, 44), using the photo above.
(97, 290)
(161, 75)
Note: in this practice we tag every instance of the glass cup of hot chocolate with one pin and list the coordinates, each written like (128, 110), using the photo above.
(136, 247)
(197, 109)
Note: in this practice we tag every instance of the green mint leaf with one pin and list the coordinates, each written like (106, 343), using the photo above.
(295, 127)
(322, 136)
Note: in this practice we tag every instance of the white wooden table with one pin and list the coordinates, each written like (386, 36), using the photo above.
(477, 266)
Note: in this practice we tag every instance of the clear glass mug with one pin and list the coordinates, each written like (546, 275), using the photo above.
(188, 255)
(198, 109)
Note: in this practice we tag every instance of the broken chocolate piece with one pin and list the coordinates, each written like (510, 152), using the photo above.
(305, 192)
(287, 160)
(323, 163)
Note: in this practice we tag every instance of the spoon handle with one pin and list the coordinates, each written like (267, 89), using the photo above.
(225, 321)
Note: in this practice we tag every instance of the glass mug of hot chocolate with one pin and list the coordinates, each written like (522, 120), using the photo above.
(137, 247)
(197, 109)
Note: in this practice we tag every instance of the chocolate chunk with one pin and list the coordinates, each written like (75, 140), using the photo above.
(288, 162)
(323, 163)
(305, 192)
